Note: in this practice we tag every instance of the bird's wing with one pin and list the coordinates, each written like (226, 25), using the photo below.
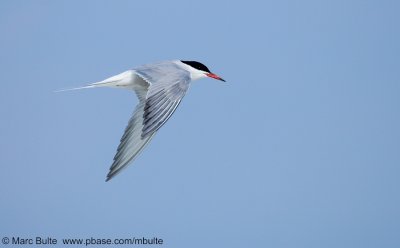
(168, 85)
(160, 105)
(131, 141)
(156, 106)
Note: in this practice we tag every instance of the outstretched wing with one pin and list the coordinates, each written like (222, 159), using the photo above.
(131, 143)
(153, 110)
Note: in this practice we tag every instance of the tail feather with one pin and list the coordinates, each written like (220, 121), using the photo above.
(77, 88)
(120, 80)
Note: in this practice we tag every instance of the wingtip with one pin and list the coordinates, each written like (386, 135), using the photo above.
(112, 173)
(109, 177)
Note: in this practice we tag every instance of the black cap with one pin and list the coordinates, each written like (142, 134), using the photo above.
(196, 65)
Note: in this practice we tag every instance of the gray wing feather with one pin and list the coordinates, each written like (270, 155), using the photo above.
(166, 100)
(168, 84)
(131, 143)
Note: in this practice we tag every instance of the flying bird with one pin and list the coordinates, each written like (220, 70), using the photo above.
(160, 88)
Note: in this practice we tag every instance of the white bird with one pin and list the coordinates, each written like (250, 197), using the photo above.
(160, 88)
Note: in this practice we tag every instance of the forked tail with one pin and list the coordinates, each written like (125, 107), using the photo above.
(120, 80)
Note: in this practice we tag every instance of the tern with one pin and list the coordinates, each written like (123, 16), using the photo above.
(160, 88)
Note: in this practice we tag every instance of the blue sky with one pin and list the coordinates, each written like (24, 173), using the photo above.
(300, 148)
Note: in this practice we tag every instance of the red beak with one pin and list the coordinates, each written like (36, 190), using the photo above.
(212, 75)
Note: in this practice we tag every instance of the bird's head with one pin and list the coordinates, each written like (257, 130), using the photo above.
(198, 70)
